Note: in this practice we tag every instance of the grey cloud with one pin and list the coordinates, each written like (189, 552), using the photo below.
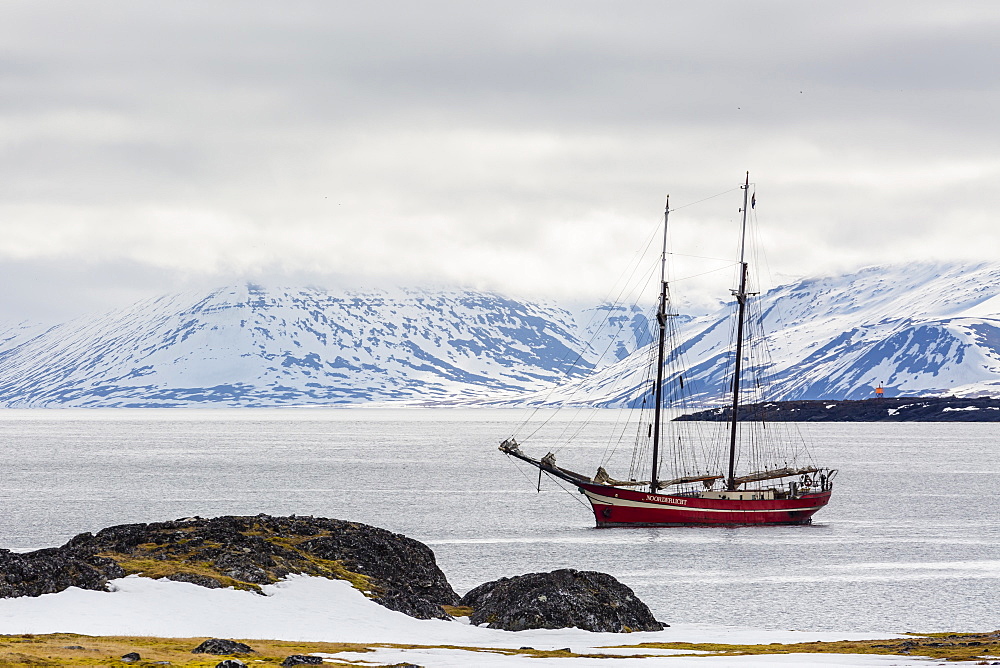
(442, 139)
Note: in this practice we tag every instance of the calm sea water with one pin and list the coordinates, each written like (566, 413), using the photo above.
(910, 541)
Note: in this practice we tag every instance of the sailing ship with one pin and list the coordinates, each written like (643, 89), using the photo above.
(772, 489)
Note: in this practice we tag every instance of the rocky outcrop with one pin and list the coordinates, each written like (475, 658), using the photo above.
(393, 570)
(302, 660)
(244, 552)
(560, 599)
(895, 409)
(54, 569)
(222, 647)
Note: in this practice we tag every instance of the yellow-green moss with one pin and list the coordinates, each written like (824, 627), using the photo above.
(329, 568)
(955, 647)
(335, 569)
(153, 561)
(457, 610)
(41, 650)
(162, 568)
(50, 650)
(170, 558)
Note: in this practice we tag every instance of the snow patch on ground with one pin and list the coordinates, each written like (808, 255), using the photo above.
(450, 658)
(303, 608)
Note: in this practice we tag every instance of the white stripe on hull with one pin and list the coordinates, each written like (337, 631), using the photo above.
(611, 501)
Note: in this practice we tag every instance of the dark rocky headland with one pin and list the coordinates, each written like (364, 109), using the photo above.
(395, 571)
(896, 409)
(243, 552)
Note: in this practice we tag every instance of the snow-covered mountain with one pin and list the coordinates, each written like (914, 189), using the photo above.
(916, 329)
(253, 346)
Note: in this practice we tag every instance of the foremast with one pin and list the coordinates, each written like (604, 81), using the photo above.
(661, 319)
(741, 300)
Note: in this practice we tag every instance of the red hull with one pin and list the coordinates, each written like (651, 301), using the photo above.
(615, 507)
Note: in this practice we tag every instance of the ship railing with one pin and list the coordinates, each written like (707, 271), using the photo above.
(782, 481)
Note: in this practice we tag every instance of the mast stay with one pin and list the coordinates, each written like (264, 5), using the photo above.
(661, 319)
(741, 300)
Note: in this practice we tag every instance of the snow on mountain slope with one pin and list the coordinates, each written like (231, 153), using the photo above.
(251, 346)
(918, 329)
(928, 329)
(613, 332)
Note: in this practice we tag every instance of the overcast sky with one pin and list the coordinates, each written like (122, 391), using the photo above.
(524, 147)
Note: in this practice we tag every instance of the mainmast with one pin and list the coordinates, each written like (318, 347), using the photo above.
(661, 318)
(741, 300)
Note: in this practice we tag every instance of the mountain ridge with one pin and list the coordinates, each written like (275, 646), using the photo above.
(920, 329)
(256, 346)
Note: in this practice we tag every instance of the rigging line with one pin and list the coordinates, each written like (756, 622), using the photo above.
(724, 428)
(704, 273)
(702, 257)
(614, 306)
(692, 430)
(556, 481)
(517, 465)
(548, 395)
(593, 337)
(637, 259)
(588, 343)
(679, 401)
(628, 411)
(612, 447)
(635, 413)
(684, 206)
(617, 434)
(555, 386)
(780, 318)
(645, 418)
(617, 302)
(634, 263)
(579, 389)
(595, 332)
(647, 277)
(591, 416)
(613, 444)
(564, 440)
(620, 300)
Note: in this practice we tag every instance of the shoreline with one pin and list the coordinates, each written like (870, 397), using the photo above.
(885, 409)
(306, 615)
(81, 649)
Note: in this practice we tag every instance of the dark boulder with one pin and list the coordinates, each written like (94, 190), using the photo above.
(230, 663)
(131, 657)
(222, 647)
(560, 599)
(302, 660)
